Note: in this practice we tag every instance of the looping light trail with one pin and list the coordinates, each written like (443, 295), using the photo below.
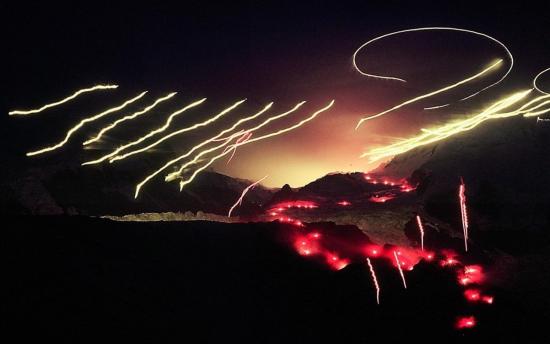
(276, 133)
(71, 97)
(128, 118)
(427, 95)
(398, 262)
(374, 280)
(434, 28)
(82, 123)
(535, 86)
(178, 132)
(245, 191)
(148, 135)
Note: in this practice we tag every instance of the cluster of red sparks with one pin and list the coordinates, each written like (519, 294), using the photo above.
(314, 244)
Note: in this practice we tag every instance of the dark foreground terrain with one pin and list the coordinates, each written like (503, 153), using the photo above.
(79, 279)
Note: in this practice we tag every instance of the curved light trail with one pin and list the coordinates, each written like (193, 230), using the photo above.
(62, 101)
(82, 123)
(127, 118)
(245, 191)
(178, 132)
(148, 135)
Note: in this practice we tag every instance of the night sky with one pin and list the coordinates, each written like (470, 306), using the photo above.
(282, 52)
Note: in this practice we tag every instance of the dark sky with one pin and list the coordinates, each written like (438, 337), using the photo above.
(283, 52)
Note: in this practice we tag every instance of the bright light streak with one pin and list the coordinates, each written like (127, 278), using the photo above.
(447, 130)
(178, 132)
(176, 174)
(398, 263)
(276, 133)
(463, 212)
(375, 281)
(240, 200)
(243, 138)
(205, 142)
(81, 124)
(148, 135)
(435, 28)
(427, 95)
(71, 97)
(421, 230)
(535, 86)
(127, 118)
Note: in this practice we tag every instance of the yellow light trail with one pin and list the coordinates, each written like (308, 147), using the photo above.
(148, 135)
(127, 118)
(536, 78)
(279, 132)
(492, 112)
(435, 28)
(212, 139)
(427, 95)
(176, 174)
(82, 123)
(245, 191)
(178, 132)
(71, 97)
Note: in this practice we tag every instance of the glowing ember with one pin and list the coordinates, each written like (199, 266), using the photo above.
(487, 299)
(472, 274)
(464, 214)
(374, 251)
(421, 229)
(374, 280)
(465, 322)
(472, 295)
(380, 199)
(344, 203)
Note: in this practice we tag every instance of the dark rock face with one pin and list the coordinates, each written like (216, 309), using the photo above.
(505, 165)
(64, 189)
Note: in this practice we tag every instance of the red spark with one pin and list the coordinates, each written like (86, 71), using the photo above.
(374, 280)
(487, 299)
(380, 199)
(472, 295)
(465, 322)
(344, 203)
(374, 251)
(463, 212)
(471, 274)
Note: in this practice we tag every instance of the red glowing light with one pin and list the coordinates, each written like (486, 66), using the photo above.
(487, 299)
(380, 199)
(373, 250)
(315, 235)
(472, 295)
(471, 274)
(465, 322)
(344, 203)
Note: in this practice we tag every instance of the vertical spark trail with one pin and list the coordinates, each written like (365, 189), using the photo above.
(450, 129)
(202, 144)
(375, 281)
(71, 97)
(148, 135)
(178, 132)
(81, 124)
(427, 95)
(421, 230)
(464, 214)
(536, 78)
(128, 118)
(240, 200)
(400, 269)
(279, 132)
(435, 28)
